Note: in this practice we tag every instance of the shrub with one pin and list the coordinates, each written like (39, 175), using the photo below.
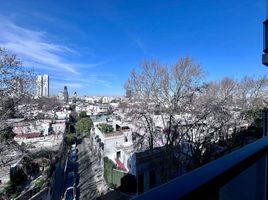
(106, 128)
(83, 126)
(82, 115)
(70, 139)
(40, 182)
(111, 176)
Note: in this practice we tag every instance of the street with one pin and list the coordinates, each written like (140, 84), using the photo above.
(91, 181)
(58, 185)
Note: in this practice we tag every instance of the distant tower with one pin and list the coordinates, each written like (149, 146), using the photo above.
(45, 85)
(74, 97)
(39, 86)
(65, 94)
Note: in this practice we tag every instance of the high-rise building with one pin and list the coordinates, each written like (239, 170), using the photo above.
(42, 86)
(39, 86)
(45, 85)
(74, 97)
(65, 94)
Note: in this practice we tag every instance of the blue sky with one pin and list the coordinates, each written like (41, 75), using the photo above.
(91, 46)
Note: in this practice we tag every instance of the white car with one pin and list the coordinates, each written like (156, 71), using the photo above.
(73, 147)
(70, 194)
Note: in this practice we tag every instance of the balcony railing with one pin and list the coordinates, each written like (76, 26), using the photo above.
(241, 174)
(265, 36)
(265, 43)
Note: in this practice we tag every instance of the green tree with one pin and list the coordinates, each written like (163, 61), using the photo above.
(82, 115)
(70, 138)
(72, 121)
(83, 126)
(6, 133)
(106, 128)
(8, 108)
(255, 116)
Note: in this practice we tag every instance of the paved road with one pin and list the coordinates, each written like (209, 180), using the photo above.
(91, 181)
(58, 185)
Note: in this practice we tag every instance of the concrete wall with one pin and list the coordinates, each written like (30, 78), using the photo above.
(109, 142)
(145, 168)
(131, 164)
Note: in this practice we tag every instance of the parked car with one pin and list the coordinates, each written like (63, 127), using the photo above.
(70, 194)
(72, 156)
(74, 146)
(71, 179)
(71, 166)
(74, 150)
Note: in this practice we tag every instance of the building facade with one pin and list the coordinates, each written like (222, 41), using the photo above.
(39, 86)
(42, 86)
(65, 94)
(45, 85)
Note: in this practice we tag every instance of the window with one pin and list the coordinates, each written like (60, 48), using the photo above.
(118, 154)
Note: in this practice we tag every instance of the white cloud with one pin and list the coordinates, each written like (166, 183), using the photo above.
(36, 50)
(32, 46)
(142, 47)
(140, 44)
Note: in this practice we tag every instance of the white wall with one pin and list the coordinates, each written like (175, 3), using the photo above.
(109, 142)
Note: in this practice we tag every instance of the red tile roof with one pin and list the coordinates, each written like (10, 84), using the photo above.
(29, 135)
(120, 165)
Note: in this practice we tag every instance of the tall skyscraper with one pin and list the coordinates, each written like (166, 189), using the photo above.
(65, 94)
(42, 86)
(45, 85)
(74, 97)
(39, 86)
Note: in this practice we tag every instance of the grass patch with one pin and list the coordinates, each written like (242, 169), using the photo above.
(112, 176)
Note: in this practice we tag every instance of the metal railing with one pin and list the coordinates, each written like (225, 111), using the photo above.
(265, 43)
(265, 36)
(241, 174)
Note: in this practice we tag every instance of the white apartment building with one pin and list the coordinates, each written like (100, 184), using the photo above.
(45, 85)
(42, 86)
(39, 86)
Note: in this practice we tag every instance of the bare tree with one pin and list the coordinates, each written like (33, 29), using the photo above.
(16, 88)
(16, 82)
(192, 114)
(218, 113)
(161, 96)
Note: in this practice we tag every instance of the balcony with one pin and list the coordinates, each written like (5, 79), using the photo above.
(265, 44)
(241, 174)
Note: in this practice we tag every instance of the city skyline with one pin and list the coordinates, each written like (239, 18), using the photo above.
(92, 47)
